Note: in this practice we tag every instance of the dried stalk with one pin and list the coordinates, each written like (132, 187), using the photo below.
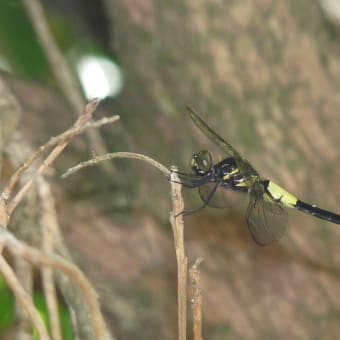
(65, 77)
(54, 56)
(177, 224)
(176, 219)
(24, 274)
(3, 217)
(50, 235)
(7, 206)
(196, 299)
(109, 156)
(75, 130)
(21, 295)
(61, 142)
(40, 258)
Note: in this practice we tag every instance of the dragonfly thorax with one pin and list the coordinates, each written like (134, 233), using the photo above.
(228, 174)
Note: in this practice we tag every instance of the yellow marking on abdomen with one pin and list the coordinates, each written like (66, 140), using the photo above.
(278, 193)
(230, 174)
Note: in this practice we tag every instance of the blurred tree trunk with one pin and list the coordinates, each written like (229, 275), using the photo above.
(266, 76)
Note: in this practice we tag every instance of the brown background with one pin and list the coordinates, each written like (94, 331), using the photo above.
(266, 76)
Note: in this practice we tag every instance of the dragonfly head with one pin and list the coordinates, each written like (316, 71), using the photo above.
(201, 162)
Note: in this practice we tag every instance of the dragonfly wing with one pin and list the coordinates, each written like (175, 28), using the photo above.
(223, 144)
(222, 198)
(266, 220)
(218, 200)
(212, 135)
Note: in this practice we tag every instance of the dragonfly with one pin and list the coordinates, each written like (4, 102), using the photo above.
(266, 215)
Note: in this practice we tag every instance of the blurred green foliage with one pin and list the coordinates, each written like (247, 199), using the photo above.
(6, 306)
(65, 317)
(18, 43)
(7, 312)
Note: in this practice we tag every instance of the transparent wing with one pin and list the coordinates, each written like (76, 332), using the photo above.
(222, 196)
(266, 220)
(224, 145)
(218, 200)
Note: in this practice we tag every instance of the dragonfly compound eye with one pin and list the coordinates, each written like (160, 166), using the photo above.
(201, 162)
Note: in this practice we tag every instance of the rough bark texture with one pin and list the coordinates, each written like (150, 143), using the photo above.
(266, 75)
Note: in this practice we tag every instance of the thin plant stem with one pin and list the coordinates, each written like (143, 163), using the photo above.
(109, 156)
(42, 258)
(24, 298)
(196, 299)
(176, 219)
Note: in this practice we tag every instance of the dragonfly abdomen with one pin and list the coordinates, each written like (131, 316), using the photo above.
(317, 212)
(280, 195)
(265, 213)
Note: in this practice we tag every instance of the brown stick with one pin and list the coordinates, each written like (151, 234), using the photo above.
(24, 274)
(62, 142)
(56, 60)
(23, 297)
(41, 258)
(3, 217)
(177, 224)
(196, 299)
(50, 232)
(176, 219)
(109, 156)
(75, 130)
(67, 82)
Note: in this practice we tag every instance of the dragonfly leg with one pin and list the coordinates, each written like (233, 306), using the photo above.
(205, 203)
(191, 181)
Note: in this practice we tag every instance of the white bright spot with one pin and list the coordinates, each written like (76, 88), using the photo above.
(332, 10)
(99, 77)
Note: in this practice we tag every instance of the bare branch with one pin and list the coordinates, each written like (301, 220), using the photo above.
(75, 297)
(50, 232)
(176, 222)
(41, 258)
(67, 82)
(176, 219)
(65, 136)
(22, 296)
(24, 274)
(3, 218)
(54, 56)
(109, 156)
(196, 299)
(60, 141)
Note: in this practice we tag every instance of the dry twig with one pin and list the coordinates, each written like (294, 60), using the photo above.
(176, 219)
(61, 142)
(56, 60)
(7, 206)
(67, 82)
(24, 274)
(41, 258)
(75, 130)
(50, 233)
(177, 224)
(21, 295)
(3, 217)
(196, 299)
(109, 156)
